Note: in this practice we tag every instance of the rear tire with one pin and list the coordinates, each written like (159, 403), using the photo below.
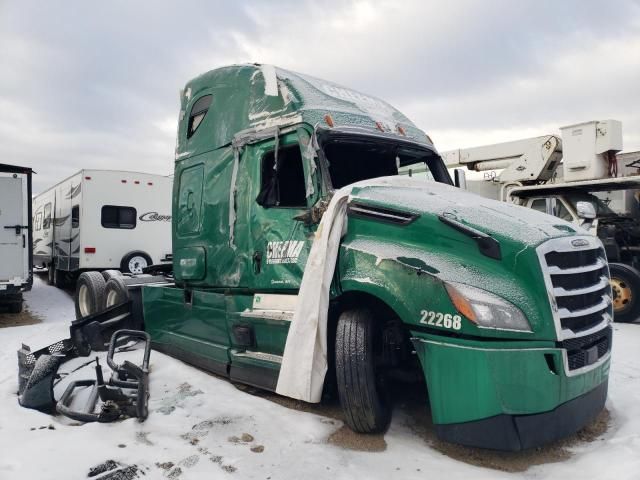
(109, 274)
(90, 294)
(625, 284)
(360, 389)
(116, 292)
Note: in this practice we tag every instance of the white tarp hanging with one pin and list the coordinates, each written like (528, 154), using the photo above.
(304, 363)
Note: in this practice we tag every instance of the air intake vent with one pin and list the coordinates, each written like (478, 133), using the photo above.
(386, 215)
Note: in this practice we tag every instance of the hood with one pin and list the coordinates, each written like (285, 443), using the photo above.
(397, 219)
(498, 219)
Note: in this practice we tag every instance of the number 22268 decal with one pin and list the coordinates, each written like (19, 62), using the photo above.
(439, 319)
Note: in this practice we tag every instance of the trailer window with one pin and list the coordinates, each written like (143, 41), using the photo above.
(46, 223)
(38, 223)
(118, 217)
(75, 216)
(198, 112)
(282, 184)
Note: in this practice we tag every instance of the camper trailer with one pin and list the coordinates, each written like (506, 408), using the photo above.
(15, 236)
(102, 219)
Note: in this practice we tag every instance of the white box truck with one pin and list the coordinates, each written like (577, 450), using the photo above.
(15, 236)
(101, 220)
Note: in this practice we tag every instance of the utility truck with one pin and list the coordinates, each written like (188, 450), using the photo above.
(15, 235)
(100, 220)
(294, 238)
(573, 178)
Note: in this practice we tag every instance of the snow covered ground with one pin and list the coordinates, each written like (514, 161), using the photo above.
(201, 426)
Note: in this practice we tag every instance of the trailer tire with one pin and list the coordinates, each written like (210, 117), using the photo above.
(134, 262)
(90, 294)
(55, 277)
(116, 292)
(364, 401)
(50, 274)
(15, 307)
(109, 274)
(625, 285)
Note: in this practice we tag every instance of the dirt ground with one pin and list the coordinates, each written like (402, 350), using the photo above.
(17, 319)
(410, 404)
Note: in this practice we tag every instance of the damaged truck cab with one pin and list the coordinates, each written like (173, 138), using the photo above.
(502, 311)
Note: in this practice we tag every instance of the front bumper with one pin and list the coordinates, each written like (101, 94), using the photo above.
(507, 395)
(520, 432)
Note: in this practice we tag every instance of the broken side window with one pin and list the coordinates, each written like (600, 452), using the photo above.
(282, 184)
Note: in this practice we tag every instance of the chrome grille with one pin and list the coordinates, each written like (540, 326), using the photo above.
(578, 282)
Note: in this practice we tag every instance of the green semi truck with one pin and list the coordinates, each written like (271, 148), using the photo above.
(504, 312)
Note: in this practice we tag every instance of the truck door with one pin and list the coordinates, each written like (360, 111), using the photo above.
(273, 180)
(13, 238)
(280, 244)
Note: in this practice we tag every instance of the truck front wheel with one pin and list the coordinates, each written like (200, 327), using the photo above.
(360, 385)
(625, 284)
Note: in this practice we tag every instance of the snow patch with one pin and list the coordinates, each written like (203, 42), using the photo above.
(270, 80)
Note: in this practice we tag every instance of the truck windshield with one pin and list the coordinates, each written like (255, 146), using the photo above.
(601, 208)
(353, 160)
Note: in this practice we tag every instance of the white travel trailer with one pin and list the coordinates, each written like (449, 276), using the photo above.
(102, 219)
(15, 235)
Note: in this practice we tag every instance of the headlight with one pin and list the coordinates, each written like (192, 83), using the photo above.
(486, 309)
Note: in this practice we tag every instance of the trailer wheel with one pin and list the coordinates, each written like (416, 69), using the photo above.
(361, 389)
(89, 298)
(625, 285)
(50, 273)
(109, 274)
(134, 262)
(116, 292)
(15, 307)
(56, 277)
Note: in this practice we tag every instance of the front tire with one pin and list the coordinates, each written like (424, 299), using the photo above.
(625, 285)
(360, 386)
(90, 294)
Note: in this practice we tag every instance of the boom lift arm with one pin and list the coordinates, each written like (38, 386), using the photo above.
(527, 161)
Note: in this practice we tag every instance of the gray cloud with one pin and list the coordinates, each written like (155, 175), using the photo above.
(95, 85)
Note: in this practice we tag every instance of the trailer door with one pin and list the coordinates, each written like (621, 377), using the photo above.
(13, 237)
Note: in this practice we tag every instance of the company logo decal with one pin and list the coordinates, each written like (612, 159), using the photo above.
(284, 252)
(579, 242)
(154, 217)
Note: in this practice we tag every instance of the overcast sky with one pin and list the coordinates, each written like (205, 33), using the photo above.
(88, 84)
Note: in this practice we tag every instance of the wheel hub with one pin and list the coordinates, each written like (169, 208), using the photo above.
(136, 264)
(622, 294)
